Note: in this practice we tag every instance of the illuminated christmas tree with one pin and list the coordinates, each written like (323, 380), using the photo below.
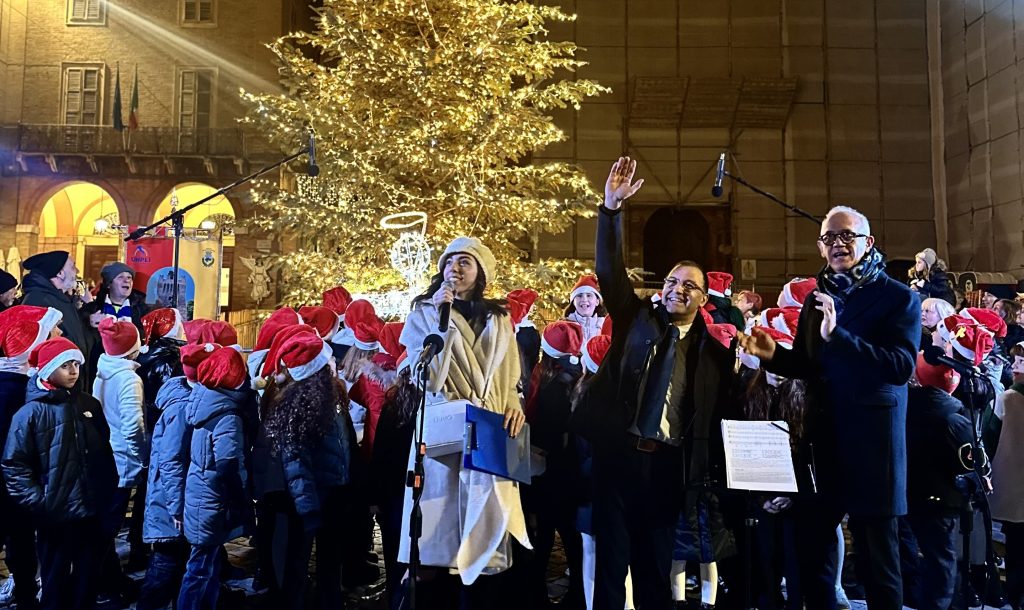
(433, 106)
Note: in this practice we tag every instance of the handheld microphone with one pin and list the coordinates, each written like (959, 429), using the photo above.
(445, 309)
(313, 170)
(716, 190)
(432, 346)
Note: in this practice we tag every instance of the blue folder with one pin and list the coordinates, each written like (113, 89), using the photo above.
(489, 449)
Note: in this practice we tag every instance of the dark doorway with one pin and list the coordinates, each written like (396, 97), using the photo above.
(95, 258)
(672, 235)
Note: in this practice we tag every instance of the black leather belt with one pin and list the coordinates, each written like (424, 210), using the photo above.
(644, 445)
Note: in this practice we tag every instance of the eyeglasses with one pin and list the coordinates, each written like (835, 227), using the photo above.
(847, 237)
(688, 286)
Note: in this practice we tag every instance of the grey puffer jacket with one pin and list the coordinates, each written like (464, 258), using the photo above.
(57, 462)
(169, 461)
(217, 506)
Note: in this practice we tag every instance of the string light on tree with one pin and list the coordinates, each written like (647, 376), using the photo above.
(433, 106)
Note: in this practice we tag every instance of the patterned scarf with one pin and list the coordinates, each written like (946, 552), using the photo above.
(841, 285)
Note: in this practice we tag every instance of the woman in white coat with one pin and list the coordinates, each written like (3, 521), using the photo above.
(471, 520)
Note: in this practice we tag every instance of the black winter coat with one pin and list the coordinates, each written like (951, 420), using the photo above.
(12, 398)
(57, 462)
(39, 291)
(940, 447)
(160, 363)
(857, 395)
(937, 286)
(609, 404)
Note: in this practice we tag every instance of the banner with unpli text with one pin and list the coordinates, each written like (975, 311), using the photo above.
(152, 258)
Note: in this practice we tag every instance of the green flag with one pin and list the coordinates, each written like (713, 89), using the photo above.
(118, 119)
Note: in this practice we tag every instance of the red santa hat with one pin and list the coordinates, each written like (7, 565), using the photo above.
(285, 316)
(366, 327)
(988, 319)
(337, 299)
(520, 302)
(161, 323)
(786, 320)
(389, 339)
(23, 327)
(719, 283)
(586, 283)
(219, 332)
(971, 341)
(796, 291)
(706, 316)
(323, 319)
(192, 355)
(272, 362)
(224, 368)
(562, 338)
(656, 297)
(594, 352)
(781, 338)
(723, 333)
(304, 354)
(51, 354)
(192, 328)
(936, 376)
(119, 338)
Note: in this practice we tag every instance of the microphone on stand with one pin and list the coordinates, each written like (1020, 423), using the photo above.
(716, 190)
(313, 170)
(445, 309)
(432, 346)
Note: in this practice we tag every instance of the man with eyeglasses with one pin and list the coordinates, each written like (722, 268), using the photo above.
(856, 345)
(653, 406)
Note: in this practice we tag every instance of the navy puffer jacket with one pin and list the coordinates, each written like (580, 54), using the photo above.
(168, 463)
(309, 472)
(57, 462)
(217, 506)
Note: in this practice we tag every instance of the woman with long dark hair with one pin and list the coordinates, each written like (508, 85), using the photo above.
(473, 521)
(306, 421)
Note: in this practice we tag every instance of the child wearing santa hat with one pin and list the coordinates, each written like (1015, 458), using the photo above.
(520, 304)
(165, 500)
(586, 306)
(308, 426)
(119, 390)
(58, 466)
(338, 299)
(217, 505)
(594, 352)
(719, 303)
(549, 500)
(940, 448)
(22, 328)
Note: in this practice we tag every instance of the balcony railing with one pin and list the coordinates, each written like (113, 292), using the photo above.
(158, 141)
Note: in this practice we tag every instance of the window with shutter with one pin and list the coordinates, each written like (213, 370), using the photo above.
(87, 12)
(195, 101)
(83, 90)
(197, 12)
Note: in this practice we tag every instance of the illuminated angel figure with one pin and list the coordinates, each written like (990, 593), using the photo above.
(259, 276)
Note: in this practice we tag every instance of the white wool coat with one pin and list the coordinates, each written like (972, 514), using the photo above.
(469, 517)
(119, 389)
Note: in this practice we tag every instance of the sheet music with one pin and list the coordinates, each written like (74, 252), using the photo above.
(758, 456)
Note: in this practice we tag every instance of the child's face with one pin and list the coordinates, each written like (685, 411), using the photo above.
(1018, 368)
(66, 376)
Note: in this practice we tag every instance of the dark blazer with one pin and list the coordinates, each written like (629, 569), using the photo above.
(940, 447)
(610, 402)
(857, 395)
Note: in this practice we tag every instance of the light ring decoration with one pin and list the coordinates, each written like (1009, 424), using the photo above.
(405, 220)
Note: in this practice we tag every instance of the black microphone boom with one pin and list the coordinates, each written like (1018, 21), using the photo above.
(313, 170)
(934, 356)
(716, 190)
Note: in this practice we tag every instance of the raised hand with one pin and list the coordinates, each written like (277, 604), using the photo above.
(827, 306)
(619, 186)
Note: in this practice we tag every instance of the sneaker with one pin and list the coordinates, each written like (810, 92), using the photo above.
(841, 600)
(7, 592)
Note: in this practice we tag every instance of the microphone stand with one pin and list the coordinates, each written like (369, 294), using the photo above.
(764, 193)
(414, 480)
(177, 217)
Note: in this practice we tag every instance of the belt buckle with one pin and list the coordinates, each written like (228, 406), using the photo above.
(646, 445)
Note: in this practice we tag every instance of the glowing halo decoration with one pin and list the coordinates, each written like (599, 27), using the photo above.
(410, 257)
